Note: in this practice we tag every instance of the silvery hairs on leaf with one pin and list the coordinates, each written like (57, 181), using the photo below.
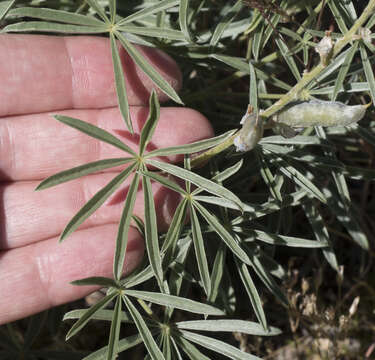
(325, 46)
(317, 113)
(251, 132)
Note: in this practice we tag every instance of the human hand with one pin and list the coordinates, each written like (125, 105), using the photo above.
(45, 75)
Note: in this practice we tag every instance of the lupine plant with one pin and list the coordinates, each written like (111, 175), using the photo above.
(259, 58)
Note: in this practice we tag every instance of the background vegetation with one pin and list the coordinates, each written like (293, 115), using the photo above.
(280, 237)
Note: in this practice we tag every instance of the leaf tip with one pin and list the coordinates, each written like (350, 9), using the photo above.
(39, 187)
(63, 236)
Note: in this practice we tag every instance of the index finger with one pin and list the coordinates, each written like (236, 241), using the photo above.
(46, 73)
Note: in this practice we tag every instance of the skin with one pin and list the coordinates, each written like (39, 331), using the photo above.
(45, 75)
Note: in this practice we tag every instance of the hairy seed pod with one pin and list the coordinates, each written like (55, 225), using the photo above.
(251, 132)
(320, 113)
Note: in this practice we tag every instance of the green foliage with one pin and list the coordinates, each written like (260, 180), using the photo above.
(232, 234)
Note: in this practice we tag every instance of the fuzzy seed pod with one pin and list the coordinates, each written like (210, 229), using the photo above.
(320, 113)
(251, 132)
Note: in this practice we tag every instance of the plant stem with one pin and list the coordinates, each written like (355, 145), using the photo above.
(293, 93)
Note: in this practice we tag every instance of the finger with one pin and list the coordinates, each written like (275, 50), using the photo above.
(33, 147)
(44, 73)
(36, 277)
(47, 212)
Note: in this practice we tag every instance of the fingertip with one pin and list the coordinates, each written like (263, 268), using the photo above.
(178, 126)
(198, 126)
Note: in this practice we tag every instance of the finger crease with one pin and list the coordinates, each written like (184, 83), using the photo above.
(72, 74)
(42, 265)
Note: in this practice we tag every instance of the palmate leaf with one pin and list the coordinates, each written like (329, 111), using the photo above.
(147, 68)
(167, 346)
(368, 71)
(330, 69)
(165, 182)
(267, 176)
(123, 228)
(151, 122)
(198, 180)
(240, 64)
(176, 225)
(267, 279)
(150, 9)
(5, 6)
(124, 344)
(175, 302)
(178, 269)
(176, 279)
(105, 315)
(288, 58)
(225, 22)
(56, 15)
(192, 147)
(84, 319)
(297, 177)
(144, 331)
(245, 327)
(44, 26)
(95, 202)
(112, 10)
(270, 29)
(99, 10)
(80, 171)
(257, 40)
(347, 216)
(115, 331)
(337, 175)
(139, 224)
(235, 62)
(218, 346)
(94, 132)
(183, 18)
(138, 278)
(151, 238)
(96, 280)
(217, 272)
(320, 231)
(339, 16)
(228, 172)
(254, 211)
(371, 22)
(252, 292)
(152, 31)
(177, 352)
(200, 252)
(275, 239)
(344, 70)
(253, 93)
(223, 233)
(121, 93)
(189, 349)
(296, 140)
(273, 267)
